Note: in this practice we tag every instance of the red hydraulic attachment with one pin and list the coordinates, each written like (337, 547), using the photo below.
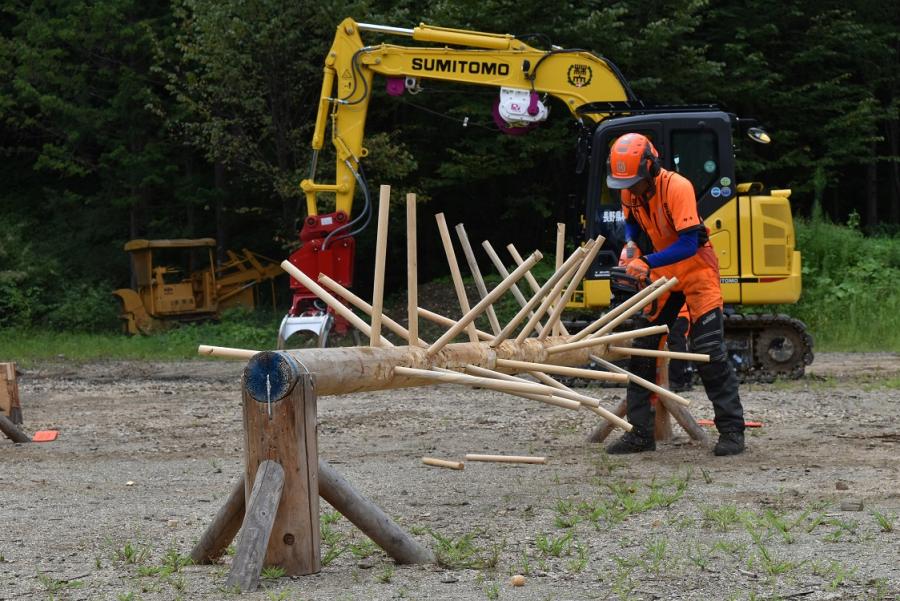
(335, 261)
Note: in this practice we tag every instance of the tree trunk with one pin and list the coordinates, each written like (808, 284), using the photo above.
(893, 136)
(872, 190)
(189, 209)
(221, 226)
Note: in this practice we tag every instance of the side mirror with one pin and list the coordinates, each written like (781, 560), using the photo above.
(758, 134)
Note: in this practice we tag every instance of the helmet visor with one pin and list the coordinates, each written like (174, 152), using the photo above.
(622, 183)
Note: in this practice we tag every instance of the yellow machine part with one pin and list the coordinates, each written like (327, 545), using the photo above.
(135, 318)
(758, 260)
(165, 294)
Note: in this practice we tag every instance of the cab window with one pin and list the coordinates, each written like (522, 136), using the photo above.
(695, 155)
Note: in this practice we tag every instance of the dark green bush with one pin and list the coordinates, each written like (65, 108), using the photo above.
(850, 299)
(84, 308)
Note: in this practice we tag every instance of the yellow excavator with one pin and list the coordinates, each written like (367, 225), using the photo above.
(751, 227)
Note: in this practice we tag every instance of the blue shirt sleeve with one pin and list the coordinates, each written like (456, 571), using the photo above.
(684, 247)
(632, 230)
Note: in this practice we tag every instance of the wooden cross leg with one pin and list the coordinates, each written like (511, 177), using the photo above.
(12, 430)
(666, 405)
(276, 503)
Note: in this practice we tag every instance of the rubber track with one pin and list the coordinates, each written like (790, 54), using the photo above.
(755, 325)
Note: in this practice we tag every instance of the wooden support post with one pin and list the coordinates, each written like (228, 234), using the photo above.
(12, 431)
(384, 202)
(504, 272)
(262, 508)
(9, 393)
(560, 250)
(369, 518)
(476, 274)
(662, 426)
(570, 289)
(455, 275)
(366, 308)
(533, 282)
(280, 424)
(541, 296)
(484, 303)
(412, 271)
(223, 529)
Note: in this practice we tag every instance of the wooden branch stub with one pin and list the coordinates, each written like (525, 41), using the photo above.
(257, 527)
(435, 462)
(225, 352)
(505, 458)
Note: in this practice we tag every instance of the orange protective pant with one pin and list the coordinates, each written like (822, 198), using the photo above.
(698, 280)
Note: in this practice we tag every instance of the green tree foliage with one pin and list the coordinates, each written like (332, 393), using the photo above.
(115, 115)
(87, 158)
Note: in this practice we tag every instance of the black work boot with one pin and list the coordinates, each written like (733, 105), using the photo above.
(730, 443)
(632, 443)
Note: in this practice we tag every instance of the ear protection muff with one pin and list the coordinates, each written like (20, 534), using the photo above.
(650, 160)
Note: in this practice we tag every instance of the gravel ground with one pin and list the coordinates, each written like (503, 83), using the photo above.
(148, 452)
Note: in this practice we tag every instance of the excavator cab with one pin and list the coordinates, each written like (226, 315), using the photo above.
(751, 231)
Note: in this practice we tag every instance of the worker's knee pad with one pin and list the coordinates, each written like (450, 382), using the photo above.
(708, 335)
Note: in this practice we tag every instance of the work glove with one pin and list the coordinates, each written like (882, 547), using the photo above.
(638, 269)
(629, 253)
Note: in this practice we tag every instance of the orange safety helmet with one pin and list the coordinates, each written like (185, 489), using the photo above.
(632, 158)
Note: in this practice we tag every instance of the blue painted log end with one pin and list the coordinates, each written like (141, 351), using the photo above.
(270, 375)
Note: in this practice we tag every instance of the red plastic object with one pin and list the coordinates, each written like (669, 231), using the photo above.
(709, 422)
(45, 436)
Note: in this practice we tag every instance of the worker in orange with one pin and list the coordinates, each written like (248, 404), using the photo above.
(662, 204)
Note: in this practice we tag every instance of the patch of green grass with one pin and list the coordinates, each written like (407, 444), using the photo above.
(577, 565)
(492, 591)
(700, 555)
(272, 573)
(386, 574)
(655, 554)
(884, 521)
(362, 549)
(462, 552)
(524, 565)
(52, 585)
(842, 528)
(331, 538)
(850, 300)
(239, 329)
(835, 572)
(722, 517)
(131, 553)
(566, 516)
(554, 546)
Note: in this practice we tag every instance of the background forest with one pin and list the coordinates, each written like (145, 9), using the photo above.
(126, 119)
